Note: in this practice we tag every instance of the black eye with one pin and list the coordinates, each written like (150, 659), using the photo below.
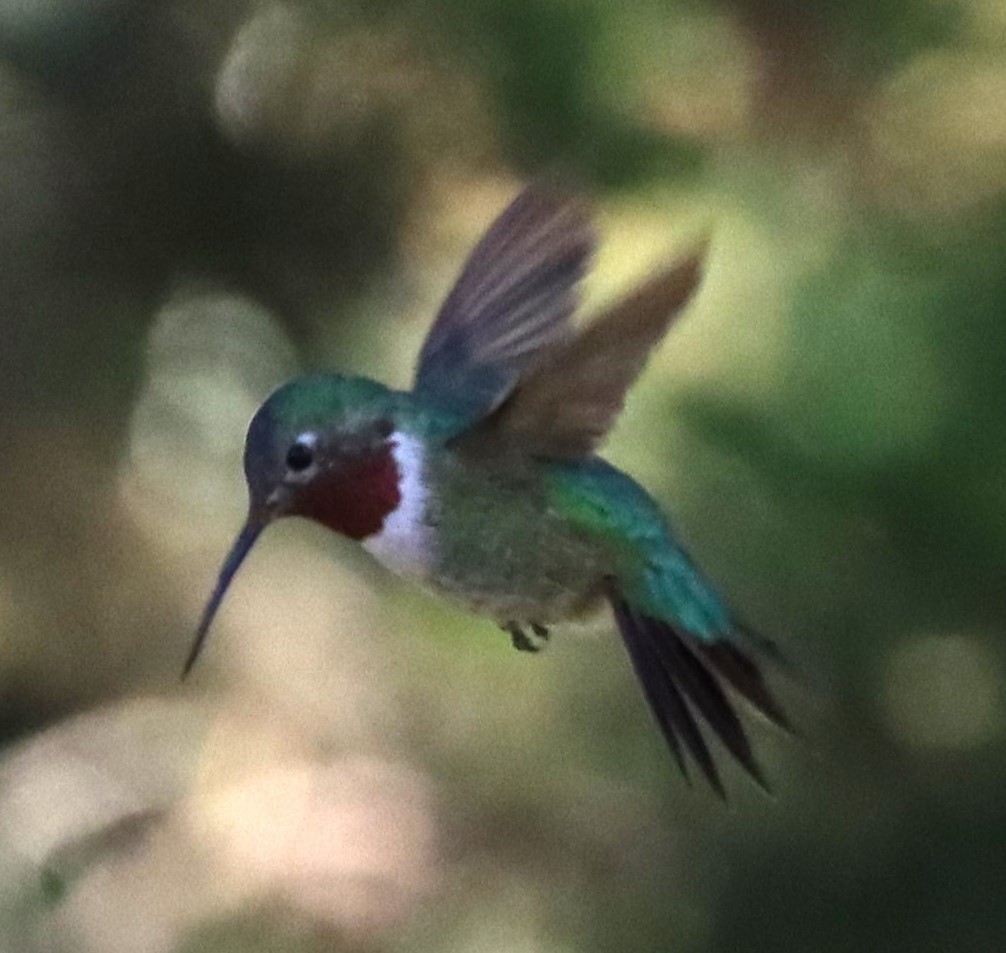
(299, 457)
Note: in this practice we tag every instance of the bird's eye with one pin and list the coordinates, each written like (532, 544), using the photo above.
(300, 456)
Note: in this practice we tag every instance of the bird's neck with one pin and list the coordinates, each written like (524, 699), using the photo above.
(405, 541)
(355, 498)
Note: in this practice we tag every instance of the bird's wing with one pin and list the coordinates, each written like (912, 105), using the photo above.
(514, 297)
(565, 405)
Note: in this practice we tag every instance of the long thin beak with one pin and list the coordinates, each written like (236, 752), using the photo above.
(242, 546)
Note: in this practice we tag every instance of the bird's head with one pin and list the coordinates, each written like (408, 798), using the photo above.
(322, 448)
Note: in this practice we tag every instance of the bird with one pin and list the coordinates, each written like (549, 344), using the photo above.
(483, 483)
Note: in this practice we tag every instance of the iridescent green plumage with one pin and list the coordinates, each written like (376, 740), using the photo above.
(483, 483)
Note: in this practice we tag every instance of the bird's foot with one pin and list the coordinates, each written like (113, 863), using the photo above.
(519, 638)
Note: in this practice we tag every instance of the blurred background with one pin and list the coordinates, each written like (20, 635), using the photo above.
(199, 198)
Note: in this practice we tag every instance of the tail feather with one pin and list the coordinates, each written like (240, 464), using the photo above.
(665, 699)
(681, 677)
(707, 696)
(744, 677)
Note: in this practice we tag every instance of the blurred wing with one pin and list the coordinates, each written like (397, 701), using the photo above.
(514, 296)
(565, 406)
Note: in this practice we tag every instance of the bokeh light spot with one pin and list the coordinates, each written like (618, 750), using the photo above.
(942, 691)
(212, 358)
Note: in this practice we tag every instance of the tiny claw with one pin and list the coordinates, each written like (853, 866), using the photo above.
(540, 630)
(519, 639)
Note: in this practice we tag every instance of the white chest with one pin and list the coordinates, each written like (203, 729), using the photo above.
(405, 543)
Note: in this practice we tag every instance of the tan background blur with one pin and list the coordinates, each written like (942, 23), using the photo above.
(199, 198)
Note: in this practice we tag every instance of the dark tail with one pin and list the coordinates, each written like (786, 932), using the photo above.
(681, 677)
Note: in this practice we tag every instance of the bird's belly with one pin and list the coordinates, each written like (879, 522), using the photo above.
(545, 606)
(550, 577)
(493, 543)
(504, 586)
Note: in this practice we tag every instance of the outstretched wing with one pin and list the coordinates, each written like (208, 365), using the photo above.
(514, 297)
(567, 403)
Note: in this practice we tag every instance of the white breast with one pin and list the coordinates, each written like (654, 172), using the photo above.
(405, 543)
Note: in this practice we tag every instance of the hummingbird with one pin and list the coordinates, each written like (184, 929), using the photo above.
(483, 482)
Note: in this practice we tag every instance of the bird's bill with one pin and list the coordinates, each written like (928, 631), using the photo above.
(242, 546)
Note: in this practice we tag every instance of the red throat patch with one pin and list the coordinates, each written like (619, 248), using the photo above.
(355, 498)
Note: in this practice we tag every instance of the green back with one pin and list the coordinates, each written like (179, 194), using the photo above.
(652, 570)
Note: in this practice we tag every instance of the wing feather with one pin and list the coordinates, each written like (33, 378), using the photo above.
(566, 404)
(513, 298)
